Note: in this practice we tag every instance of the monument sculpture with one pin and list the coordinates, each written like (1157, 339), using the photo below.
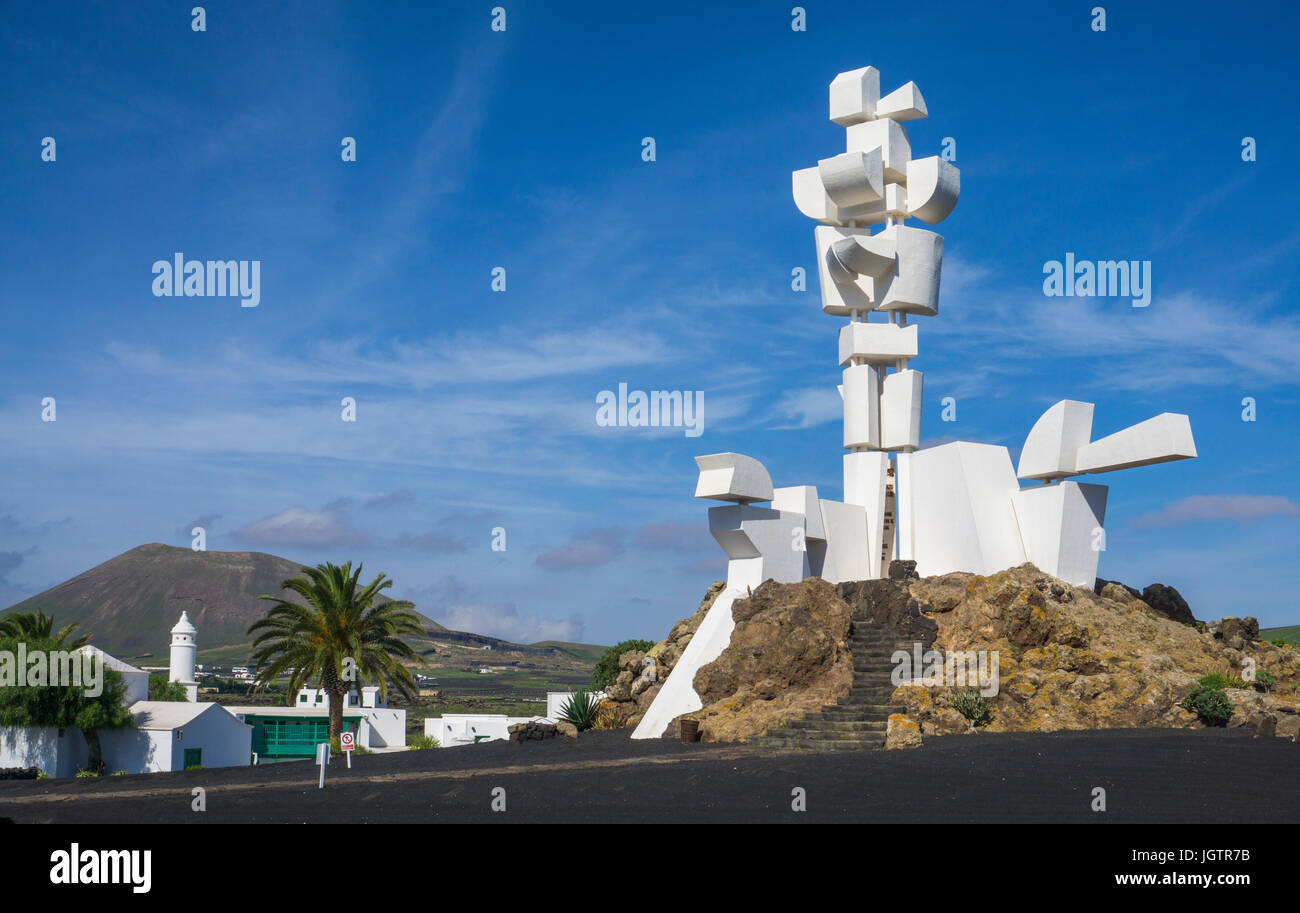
(954, 507)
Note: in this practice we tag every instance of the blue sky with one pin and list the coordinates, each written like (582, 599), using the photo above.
(522, 149)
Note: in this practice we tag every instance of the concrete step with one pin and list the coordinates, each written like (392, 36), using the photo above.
(818, 746)
(839, 725)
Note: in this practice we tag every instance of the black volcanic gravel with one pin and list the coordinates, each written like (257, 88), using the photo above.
(1227, 776)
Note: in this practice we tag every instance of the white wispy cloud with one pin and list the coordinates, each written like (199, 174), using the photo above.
(1232, 508)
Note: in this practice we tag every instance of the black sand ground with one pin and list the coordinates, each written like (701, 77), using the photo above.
(1200, 776)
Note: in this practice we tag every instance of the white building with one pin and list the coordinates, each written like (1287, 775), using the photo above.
(453, 729)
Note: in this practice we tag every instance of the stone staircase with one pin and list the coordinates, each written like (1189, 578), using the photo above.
(858, 720)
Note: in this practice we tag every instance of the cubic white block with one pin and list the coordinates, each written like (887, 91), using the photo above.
(861, 407)
(900, 411)
(1060, 526)
(887, 136)
(933, 186)
(914, 287)
(962, 517)
(801, 499)
(732, 477)
(848, 545)
(1052, 447)
(1162, 439)
(854, 96)
(853, 178)
(904, 103)
(877, 343)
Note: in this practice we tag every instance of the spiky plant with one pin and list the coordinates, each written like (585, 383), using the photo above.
(342, 638)
(580, 709)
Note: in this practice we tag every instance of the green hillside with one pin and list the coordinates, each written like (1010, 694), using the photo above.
(1290, 634)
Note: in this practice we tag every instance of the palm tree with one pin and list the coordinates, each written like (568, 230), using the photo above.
(341, 637)
(39, 626)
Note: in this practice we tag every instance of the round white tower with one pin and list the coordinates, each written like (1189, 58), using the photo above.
(184, 649)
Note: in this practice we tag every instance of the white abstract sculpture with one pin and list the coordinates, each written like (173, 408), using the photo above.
(955, 507)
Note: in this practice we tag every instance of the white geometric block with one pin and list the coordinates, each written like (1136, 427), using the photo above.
(887, 136)
(843, 291)
(900, 411)
(866, 474)
(862, 254)
(1162, 439)
(861, 407)
(854, 96)
(853, 178)
(1059, 525)
(962, 516)
(732, 477)
(914, 287)
(801, 499)
(904, 540)
(810, 195)
(758, 542)
(877, 343)
(1052, 447)
(847, 544)
(933, 186)
(896, 201)
(904, 103)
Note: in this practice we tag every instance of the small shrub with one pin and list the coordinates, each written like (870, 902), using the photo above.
(612, 716)
(1220, 680)
(1265, 680)
(1210, 704)
(120, 773)
(1279, 642)
(971, 704)
(581, 710)
(196, 767)
(86, 774)
(422, 742)
(607, 666)
(42, 775)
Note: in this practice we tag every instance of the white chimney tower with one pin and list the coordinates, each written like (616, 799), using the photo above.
(184, 649)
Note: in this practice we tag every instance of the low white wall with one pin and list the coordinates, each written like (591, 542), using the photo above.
(384, 728)
(465, 728)
(40, 746)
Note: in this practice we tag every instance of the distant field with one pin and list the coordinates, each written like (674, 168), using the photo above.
(1290, 634)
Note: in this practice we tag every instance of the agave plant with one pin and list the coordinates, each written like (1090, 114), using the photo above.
(580, 710)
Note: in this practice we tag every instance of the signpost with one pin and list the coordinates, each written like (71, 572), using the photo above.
(348, 741)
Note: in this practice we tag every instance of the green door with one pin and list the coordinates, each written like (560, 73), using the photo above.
(193, 757)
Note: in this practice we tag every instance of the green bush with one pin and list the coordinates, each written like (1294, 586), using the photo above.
(1279, 642)
(87, 774)
(120, 773)
(1265, 679)
(1220, 680)
(421, 742)
(1210, 704)
(195, 767)
(971, 704)
(580, 710)
(607, 666)
(162, 690)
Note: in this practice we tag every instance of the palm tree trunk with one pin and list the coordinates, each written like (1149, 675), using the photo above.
(334, 690)
(95, 761)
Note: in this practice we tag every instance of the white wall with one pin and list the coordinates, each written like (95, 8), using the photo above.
(462, 728)
(383, 728)
(40, 746)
